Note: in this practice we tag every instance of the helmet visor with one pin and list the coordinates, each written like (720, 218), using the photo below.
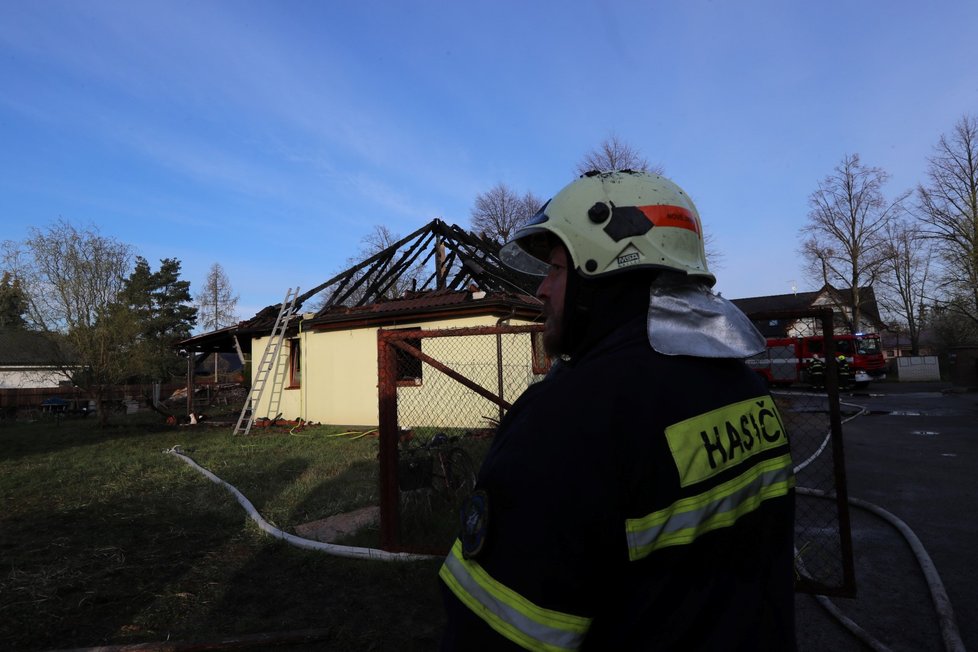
(514, 256)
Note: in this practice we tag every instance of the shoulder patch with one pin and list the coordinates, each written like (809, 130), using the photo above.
(474, 522)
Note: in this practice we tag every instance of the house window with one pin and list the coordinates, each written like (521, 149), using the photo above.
(409, 367)
(295, 364)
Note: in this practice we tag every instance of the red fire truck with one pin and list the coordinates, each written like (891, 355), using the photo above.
(788, 360)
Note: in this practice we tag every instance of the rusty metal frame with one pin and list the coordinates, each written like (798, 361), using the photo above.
(389, 341)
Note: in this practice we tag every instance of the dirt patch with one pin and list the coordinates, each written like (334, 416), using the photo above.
(330, 530)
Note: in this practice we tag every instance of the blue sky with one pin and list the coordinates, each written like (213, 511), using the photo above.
(272, 136)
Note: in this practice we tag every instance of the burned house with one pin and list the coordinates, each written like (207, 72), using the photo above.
(316, 351)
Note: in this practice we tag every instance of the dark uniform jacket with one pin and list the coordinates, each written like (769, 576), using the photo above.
(632, 501)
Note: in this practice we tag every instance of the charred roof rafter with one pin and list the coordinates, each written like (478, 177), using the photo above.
(377, 274)
(469, 259)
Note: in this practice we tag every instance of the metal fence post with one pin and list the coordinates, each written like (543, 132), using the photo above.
(387, 415)
(832, 386)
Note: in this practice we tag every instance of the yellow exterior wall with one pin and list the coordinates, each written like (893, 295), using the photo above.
(339, 374)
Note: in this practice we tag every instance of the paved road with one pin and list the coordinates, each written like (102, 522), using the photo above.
(915, 454)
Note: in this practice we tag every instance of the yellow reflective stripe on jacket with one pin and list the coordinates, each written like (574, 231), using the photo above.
(719, 507)
(506, 611)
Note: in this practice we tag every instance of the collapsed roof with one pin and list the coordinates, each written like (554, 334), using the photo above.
(436, 266)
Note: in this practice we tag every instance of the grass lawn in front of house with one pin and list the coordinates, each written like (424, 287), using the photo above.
(104, 539)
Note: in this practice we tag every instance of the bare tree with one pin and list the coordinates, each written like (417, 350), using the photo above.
(379, 239)
(500, 211)
(949, 206)
(906, 277)
(217, 304)
(614, 154)
(844, 241)
(73, 279)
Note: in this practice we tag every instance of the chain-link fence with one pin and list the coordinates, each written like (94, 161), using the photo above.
(809, 404)
(443, 392)
(823, 549)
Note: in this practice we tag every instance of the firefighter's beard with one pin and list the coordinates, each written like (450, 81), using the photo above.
(552, 331)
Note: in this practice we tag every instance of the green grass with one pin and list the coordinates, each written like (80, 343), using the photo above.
(106, 540)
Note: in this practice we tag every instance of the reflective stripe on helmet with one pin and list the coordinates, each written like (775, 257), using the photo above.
(683, 521)
(506, 611)
(675, 216)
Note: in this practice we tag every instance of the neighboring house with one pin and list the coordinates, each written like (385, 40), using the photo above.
(896, 343)
(828, 296)
(30, 360)
(438, 277)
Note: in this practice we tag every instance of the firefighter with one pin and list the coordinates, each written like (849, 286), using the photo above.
(641, 495)
(846, 378)
(816, 372)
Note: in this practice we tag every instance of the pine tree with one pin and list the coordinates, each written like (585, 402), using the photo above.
(161, 305)
(13, 302)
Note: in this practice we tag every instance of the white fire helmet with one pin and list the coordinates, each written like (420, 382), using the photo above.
(614, 222)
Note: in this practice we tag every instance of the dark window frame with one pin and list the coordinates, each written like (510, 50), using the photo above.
(295, 364)
(538, 354)
(410, 370)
